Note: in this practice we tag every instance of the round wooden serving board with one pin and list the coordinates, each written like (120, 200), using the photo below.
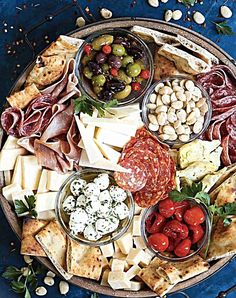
(14, 221)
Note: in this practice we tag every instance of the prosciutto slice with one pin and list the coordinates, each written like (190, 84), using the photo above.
(220, 83)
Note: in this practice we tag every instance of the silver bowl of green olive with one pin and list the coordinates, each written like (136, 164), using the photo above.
(114, 64)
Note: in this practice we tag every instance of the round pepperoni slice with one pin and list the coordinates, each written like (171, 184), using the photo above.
(135, 179)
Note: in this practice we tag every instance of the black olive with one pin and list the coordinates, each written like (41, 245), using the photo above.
(115, 85)
(114, 61)
(101, 58)
(95, 68)
(136, 52)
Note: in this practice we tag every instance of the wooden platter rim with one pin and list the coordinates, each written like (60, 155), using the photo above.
(80, 33)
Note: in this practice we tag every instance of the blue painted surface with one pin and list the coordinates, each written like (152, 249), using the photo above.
(28, 13)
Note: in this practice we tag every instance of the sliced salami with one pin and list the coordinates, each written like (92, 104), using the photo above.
(135, 179)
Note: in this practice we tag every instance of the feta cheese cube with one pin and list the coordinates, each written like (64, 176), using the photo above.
(125, 243)
(139, 242)
(135, 256)
(135, 286)
(107, 250)
(104, 280)
(118, 280)
(117, 265)
(146, 259)
(133, 271)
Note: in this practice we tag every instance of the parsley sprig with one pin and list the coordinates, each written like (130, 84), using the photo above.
(223, 28)
(195, 192)
(86, 105)
(26, 208)
(23, 280)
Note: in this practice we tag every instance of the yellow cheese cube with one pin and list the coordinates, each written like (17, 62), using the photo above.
(31, 172)
(117, 265)
(135, 256)
(107, 250)
(11, 143)
(45, 201)
(8, 158)
(8, 190)
(55, 180)
(118, 280)
(47, 215)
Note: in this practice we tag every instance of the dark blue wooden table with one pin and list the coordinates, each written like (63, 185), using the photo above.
(17, 16)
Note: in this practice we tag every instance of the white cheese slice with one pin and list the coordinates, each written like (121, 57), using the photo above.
(108, 151)
(55, 180)
(118, 265)
(101, 164)
(115, 125)
(125, 243)
(11, 143)
(122, 111)
(17, 174)
(135, 256)
(118, 280)
(133, 271)
(7, 177)
(42, 187)
(8, 190)
(91, 148)
(137, 225)
(90, 129)
(8, 158)
(135, 286)
(31, 172)
(20, 195)
(104, 280)
(109, 137)
(45, 201)
(139, 243)
(107, 250)
(47, 215)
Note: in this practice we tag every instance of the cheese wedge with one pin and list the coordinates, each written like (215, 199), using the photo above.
(91, 148)
(11, 143)
(8, 158)
(45, 201)
(121, 112)
(90, 129)
(116, 125)
(112, 138)
(55, 180)
(101, 164)
(8, 190)
(108, 152)
(17, 174)
(20, 196)
(42, 187)
(31, 172)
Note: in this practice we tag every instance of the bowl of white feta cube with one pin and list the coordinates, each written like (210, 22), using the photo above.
(92, 209)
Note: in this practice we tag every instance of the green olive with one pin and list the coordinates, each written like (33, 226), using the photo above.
(124, 93)
(105, 67)
(100, 41)
(99, 80)
(126, 60)
(85, 60)
(133, 70)
(97, 89)
(118, 50)
(87, 73)
(123, 77)
(140, 62)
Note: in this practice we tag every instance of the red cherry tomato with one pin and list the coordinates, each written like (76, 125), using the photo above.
(167, 207)
(175, 229)
(106, 49)
(180, 209)
(88, 49)
(158, 241)
(183, 248)
(154, 223)
(136, 86)
(114, 72)
(194, 216)
(171, 245)
(197, 233)
(144, 74)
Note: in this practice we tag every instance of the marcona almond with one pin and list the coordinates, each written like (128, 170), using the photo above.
(63, 287)
(177, 15)
(168, 15)
(226, 12)
(153, 3)
(198, 18)
(41, 291)
(106, 13)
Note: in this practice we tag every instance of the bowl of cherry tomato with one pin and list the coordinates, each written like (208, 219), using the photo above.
(114, 64)
(176, 231)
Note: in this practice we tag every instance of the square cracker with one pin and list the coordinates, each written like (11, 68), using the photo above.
(84, 261)
(29, 245)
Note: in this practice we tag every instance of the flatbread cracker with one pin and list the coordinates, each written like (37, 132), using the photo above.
(184, 61)
(84, 261)
(54, 242)
(198, 51)
(227, 191)
(223, 241)
(29, 245)
(170, 273)
(64, 45)
(22, 98)
(46, 71)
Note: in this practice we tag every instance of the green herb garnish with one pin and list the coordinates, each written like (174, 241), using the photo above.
(26, 208)
(223, 28)
(86, 105)
(188, 3)
(22, 280)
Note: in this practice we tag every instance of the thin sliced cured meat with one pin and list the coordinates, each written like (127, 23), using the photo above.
(135, 179)
(12, 120)
(225, 152)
